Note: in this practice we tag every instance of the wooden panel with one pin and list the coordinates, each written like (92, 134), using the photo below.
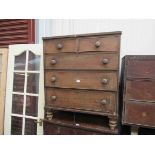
(81, 79)
(60, 45)
(83, 100)
(3, 70)
(88, 61)
(107, 43)
(54, 129)
(140, 113)
(140, 89)
(17, 31)
(141, 67)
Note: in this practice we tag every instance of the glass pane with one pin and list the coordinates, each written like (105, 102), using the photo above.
(0, 62)
(20, 61)
(30, 127)
(16, 125)
(32, 106)
(17, 104)
(33, 83)
(18, 84)
(34, 62)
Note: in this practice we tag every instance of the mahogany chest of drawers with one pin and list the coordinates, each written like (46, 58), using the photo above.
(81, 74)
(138, 90)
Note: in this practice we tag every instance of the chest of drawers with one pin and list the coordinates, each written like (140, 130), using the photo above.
(81, 74)
(139, 90)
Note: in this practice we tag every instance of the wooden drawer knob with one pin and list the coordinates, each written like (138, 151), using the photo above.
(53, 98)
(97, 44)
(103, 102)
(59, 46)
(104, 81)
(53, 61)
(105, 61)
(53, 79)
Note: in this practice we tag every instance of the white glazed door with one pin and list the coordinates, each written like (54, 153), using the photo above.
(24, 107)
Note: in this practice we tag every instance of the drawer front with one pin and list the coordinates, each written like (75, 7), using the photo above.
(84, 100)
(140, 90)
(140, 68)
(54, 129)
(60, 45)
(140, 113)
(81, 79)
(82, 61)
(108, 43)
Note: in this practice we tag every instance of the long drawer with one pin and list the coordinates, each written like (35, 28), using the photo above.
(139, 89)
(139, 113)
(81, 79)
(87, 61)
(89, 101)
(140, 66)
(64, 129)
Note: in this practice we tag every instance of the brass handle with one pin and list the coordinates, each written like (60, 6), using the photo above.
(53, 61)
(59, 46)
(103, 102)
(97, 44)
(40, 121)
(105, 61)
(53, 79)
(53, 98)
(104, 81)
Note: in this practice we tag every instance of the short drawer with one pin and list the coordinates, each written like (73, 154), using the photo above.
(140, 90)
(140, 67)
(88, 61)
(98, 102)
(106, 43)
(81, 79)
(60, 45)
(139, 113)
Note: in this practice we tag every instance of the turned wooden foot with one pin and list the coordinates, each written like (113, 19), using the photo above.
(134, 130)
(49, 115)
(112, 123)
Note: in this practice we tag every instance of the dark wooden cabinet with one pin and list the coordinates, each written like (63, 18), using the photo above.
(139, 90)
(81, 75)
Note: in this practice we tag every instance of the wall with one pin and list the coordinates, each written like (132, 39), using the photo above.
(138, 36)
